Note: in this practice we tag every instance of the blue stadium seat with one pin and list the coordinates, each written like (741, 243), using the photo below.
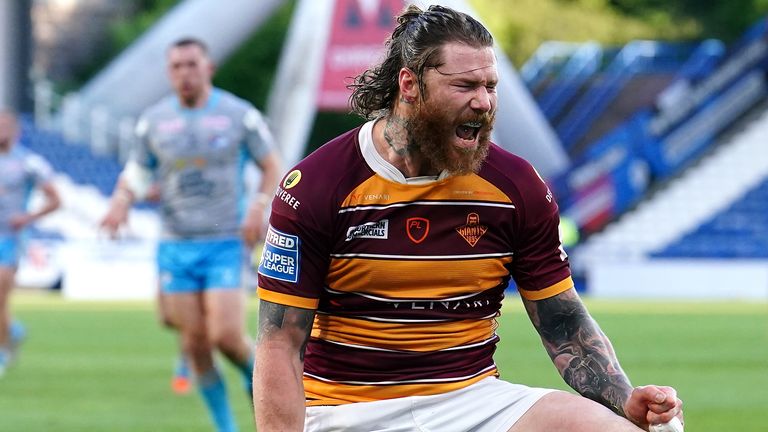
(740, 231)
(75, 160)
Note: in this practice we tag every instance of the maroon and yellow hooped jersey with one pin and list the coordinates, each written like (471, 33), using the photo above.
(407, 276)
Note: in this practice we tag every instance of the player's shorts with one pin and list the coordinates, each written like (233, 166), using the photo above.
(9, 252)
(489, 405)
(186, 266)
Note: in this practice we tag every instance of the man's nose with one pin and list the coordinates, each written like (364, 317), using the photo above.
(481, 100)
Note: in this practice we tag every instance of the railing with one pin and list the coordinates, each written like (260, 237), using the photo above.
(646, 56)
(584, 62)
(547, 59)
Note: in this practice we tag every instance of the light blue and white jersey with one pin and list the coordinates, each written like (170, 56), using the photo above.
(20, 172)
(198, 157)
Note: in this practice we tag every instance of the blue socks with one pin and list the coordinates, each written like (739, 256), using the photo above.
(214, 393)
(247, 371)
(16, 333)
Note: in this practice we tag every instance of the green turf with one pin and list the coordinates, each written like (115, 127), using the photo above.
(714, 354)
(105, 366)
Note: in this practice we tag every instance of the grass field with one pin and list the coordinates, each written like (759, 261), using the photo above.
(106, 366)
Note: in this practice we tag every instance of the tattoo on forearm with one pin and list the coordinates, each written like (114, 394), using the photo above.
(580, 350)
(274, 317)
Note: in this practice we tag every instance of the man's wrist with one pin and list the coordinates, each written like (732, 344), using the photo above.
(262, 199)
(123, 197)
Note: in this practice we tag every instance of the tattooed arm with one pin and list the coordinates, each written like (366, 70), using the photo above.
(278, 392)
(579, 349)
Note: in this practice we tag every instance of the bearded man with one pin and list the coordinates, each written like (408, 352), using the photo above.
(388, 253)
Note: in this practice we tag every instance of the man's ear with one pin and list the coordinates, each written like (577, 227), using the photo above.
(409, 85)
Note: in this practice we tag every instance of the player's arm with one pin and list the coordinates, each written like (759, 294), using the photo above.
(278, 391)
(587, 362)
(253, 228)
(51, 203)
(133, 184)
(581, 352)
(52, 200)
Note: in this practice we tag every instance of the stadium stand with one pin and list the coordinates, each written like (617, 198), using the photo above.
(638, 57)
(713, 200)
(669, 176)
(76, 161)
(643, 115)
(654, 173)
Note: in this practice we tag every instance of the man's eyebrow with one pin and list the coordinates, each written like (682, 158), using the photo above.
(436, 68)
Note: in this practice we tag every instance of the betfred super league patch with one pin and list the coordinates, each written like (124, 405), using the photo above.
(280, 258)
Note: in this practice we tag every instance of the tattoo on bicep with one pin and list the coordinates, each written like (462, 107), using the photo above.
(275, 317)
(580, 350)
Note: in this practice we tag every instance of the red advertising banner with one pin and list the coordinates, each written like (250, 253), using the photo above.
(356, 42)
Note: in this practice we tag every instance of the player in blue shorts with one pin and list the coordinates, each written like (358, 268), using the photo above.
(194, 145)
(20, 172)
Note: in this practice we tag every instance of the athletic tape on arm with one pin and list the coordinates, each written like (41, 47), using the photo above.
(137, 179)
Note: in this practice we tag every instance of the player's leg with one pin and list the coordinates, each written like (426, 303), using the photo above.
(196, 346)
(226, 328)
(7, 275)
(181, 382)
(8, 260)
(226, 306)
(6, 284)
(179, 266)
(561, 411)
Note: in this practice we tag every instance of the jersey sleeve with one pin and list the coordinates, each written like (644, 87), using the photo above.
(140, 152)
(296, 251)
(39, 170)
(259, 141)
(540, 265)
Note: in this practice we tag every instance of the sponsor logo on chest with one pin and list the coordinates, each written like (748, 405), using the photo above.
(369, 230)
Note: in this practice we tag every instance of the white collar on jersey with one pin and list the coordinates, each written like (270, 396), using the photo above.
(383, 168)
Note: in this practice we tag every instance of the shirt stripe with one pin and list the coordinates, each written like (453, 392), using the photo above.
(428, 203)
(326, 393)
(423, 257)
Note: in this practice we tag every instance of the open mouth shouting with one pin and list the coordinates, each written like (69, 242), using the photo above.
(468, 133)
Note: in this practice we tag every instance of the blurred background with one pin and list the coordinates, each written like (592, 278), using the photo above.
(647, 118)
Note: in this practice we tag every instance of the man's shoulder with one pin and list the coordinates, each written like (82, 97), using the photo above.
(32, 161)
(335, 155)
(166, 106)
(326, 174)
(509, 164)
(24, 153)
(511, 173)
(230, 101)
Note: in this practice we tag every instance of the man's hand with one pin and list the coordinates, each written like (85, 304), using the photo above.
(253, 228)
(652, 404)
(19, 221)
(117, 215)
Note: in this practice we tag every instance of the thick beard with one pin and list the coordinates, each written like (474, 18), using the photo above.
(431, 130)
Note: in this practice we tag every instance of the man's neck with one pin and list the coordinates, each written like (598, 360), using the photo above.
(391, 138)
(200, 102)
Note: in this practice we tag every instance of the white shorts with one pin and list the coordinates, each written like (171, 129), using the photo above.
(489, 405)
